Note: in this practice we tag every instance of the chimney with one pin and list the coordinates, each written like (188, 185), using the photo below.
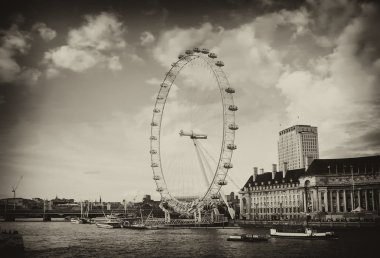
(261, 171)
(254, 174)
(274, 170)
(285, 170)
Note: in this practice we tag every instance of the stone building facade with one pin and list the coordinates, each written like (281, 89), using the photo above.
(329, 187)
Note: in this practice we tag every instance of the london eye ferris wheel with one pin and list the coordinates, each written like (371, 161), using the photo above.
(214, 177)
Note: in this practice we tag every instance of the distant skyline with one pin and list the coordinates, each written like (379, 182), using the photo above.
(78, 81)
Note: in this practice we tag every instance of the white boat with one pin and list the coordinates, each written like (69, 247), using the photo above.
(247, 238)
(81, 220)
(109, 224)
(111, 221)
(140, 226)
(308, 234)
(75, 220)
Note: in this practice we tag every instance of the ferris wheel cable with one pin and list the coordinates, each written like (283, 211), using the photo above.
(209, 169)
(201, 164)
(229, 176)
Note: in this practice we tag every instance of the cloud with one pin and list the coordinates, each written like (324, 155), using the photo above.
(99, 41)
(103, 32)
(45, 32)
(29, 75)
(339, 92)
(15, 43)
(293, 63)
(146, 38)
(114, 63)
(9, 68)
(136, 59)
(252, 64)
(74, 59)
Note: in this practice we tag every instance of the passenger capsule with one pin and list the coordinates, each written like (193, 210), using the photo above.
(233, 126)
(156, 178)
(154, 165)
(219, 63)
(227, 165)
(212, 55)
(153, 124)
(233, 108)
(231, 146)
(222, 182)
(215, 196)
(156, 110)
(189, 52)
(230, 90)
(205, 51)
(196, 50)
(153, 152)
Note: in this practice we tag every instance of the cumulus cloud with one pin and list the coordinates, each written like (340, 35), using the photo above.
(102, 32)
(114, 63)
(136, 58)
(99, 41)
(8, 66)
(73, 58)
(146, 38)
(324, 69)
(45, 32)
(15, 43)
(340, 94)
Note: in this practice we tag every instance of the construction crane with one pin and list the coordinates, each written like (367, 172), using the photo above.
(14, 188)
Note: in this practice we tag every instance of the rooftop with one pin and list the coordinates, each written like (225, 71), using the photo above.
(266, 177)
(361, 165)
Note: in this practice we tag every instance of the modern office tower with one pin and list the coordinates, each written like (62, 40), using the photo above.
(297, 147)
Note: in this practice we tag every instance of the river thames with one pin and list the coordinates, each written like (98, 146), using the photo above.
(64, 239)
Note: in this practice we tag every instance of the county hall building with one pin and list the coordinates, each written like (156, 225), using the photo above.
(319, 188)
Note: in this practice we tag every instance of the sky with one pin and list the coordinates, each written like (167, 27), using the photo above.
(78, 81)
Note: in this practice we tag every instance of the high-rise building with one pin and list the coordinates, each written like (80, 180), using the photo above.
(297, 147)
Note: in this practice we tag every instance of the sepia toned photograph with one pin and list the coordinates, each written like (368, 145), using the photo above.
(190, 128)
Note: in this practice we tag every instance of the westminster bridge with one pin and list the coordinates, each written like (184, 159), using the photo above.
(47, 215)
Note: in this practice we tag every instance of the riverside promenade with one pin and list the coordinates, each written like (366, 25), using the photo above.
(314, 224)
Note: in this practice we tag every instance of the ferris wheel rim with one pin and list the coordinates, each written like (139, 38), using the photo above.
(229, 127)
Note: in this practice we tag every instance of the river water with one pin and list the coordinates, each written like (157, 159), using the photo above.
(64, 239)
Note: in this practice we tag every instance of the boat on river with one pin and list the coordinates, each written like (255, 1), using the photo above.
(84, 219)
(139, 226)
(111, 221)
(109, 224)
(247, 238)
(307, 234)
(81, 220)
